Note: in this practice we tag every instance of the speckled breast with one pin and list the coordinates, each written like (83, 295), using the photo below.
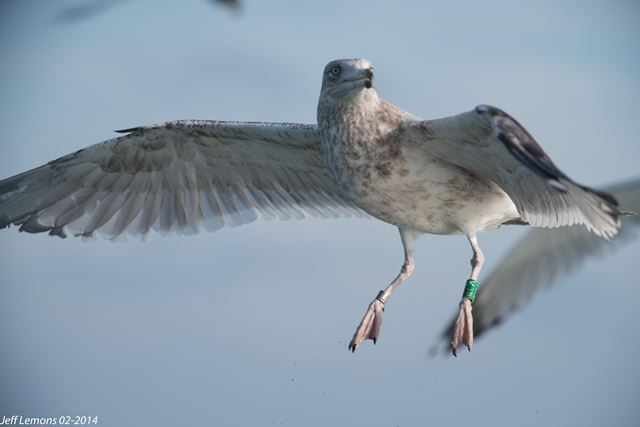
(399, 184)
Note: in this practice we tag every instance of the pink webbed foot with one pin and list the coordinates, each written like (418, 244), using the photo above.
(369, 328)
(463, 331)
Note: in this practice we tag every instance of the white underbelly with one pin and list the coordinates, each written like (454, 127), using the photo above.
(428, 195)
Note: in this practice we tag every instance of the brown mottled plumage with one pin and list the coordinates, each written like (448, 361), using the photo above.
(365, 141)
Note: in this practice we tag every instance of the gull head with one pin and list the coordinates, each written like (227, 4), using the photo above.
(344, 78)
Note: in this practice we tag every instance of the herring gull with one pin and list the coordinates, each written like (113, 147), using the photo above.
(543, 256)
(458, 175)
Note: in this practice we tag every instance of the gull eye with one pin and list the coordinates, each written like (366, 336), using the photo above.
(335, 70)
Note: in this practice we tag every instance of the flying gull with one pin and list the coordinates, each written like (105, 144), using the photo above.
(457, 175)
(543, 256)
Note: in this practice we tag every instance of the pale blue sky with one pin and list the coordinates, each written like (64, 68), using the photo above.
(249, 326)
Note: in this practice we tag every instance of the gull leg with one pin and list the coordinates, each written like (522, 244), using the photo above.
(463, 330)
(369, 328)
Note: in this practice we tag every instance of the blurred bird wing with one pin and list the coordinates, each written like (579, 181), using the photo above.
(491, 144)
(178, 177)
(541, 258)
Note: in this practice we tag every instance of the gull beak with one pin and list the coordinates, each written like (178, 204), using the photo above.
(366, 75)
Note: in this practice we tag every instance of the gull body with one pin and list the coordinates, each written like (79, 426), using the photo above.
(395, 182)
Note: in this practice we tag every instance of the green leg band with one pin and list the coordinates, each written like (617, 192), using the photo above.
(470, 290)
